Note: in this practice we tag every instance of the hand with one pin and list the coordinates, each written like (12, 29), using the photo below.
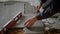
(37, 9)
(30, 22)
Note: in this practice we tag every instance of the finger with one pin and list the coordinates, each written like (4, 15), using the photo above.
(29, 24)
(26, 22)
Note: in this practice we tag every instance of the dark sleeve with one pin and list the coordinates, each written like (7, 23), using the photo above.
(45, 14)
(43, 1)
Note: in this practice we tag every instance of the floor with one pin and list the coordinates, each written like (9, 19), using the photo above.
(21, 31)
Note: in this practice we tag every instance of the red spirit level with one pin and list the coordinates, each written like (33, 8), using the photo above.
(7, 22)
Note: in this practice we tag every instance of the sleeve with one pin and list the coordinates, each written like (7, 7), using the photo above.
(43, 1)
(45, 14)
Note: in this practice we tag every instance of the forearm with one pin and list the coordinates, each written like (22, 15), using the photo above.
(45, 15)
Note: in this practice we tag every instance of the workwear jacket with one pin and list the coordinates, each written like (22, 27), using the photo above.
(50, 7)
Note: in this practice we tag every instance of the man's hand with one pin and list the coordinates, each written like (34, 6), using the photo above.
(30, 22)
(38, 7)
